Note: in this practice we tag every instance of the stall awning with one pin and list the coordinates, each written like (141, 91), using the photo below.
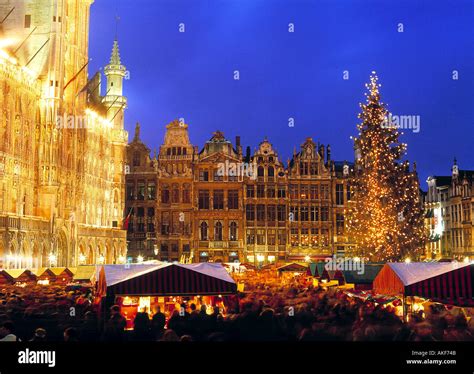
(164, 279)
(365, 276)
(19, 274)
(85, 273)
(313, 269)
(42, 272)
(61, 271)
(294, 267)
(448, 282)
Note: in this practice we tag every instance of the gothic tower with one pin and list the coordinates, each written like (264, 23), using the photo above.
(113, 99)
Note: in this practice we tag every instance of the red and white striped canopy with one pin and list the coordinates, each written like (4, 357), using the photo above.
(447, 282)
(172, 279)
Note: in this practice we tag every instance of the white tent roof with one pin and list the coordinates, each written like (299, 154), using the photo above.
(119, 273)
(414, 272)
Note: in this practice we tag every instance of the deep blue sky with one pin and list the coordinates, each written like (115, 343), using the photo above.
(296, 74)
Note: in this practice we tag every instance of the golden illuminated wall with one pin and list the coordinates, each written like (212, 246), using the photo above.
(62, 184)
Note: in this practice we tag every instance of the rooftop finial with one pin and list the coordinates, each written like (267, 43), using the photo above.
(137, 131)
(117, 19)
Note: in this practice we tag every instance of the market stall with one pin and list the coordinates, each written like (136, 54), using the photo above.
(44, 276)
(292, 267)
(446, 282)
(5, 279)
(138, 287)
(449, 283)
(85, 274)
(62, 275)
(363, 280)
(19, 277)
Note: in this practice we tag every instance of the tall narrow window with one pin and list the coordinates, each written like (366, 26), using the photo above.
(151, 191)
(218, 199)
(165, 195)
(141, 191)
(136, 159)
(233, 231)
(218, 231)
(203, 230)
(27, 21)
(250, 212)
(203, 199)
(233, 199)
(339, 194)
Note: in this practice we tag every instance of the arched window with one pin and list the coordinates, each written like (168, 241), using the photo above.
(271, 171)
(218, 231)
(203, 230)
(260, 171)
(233, 231)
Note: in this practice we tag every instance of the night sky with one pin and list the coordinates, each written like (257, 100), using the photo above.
(298, 75)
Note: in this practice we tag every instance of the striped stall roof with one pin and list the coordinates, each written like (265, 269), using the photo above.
(447, 282)
(452, 287)
(166, 279)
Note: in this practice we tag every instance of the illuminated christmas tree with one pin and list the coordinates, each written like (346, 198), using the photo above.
(384, 217)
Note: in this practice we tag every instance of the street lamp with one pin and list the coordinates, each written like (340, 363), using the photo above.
(52, 259)
(155, 249)
(101, 259)
(140, 258)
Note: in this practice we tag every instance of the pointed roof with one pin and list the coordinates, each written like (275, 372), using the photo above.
(137, 132)
(115, 56)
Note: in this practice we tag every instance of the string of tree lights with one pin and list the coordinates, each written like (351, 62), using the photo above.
(384, 217)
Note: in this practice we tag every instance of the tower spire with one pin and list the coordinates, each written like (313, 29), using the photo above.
(114, 99)
(115, 56)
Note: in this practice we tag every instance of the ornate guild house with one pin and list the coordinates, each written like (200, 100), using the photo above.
(449, 220)
(218, 204)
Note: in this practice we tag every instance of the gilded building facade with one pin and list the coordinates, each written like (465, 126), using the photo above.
(218, 196)
(218, 204)
(62, 149)
(449, 215)
(141, 194)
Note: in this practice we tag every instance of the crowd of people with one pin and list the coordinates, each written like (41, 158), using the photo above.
(267, 310)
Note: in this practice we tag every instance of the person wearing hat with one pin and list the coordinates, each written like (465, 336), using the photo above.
(40, 335)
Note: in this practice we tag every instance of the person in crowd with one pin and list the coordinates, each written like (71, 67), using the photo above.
(459, 330)
(115, 326)
(71, 335)
(39, 336)
(141, 327)
(90, 327)
(170, 336)
(6, 332)
(158, 323)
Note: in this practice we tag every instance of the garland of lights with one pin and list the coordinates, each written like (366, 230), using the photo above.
(384, 217)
